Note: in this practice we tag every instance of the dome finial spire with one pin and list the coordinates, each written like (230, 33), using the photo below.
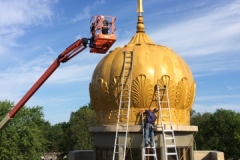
(140, 24)
(140, 7)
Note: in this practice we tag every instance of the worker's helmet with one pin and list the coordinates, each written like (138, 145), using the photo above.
(155, 110)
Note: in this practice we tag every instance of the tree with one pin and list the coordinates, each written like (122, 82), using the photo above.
(55, 136)
(218, 131)
(80, 121)
(225, 132)
(23, 137)
(73, 135)
(200, 120)
(59, 137)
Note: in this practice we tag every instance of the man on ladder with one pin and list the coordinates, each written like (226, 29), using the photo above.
(149, 133)
(148, 127)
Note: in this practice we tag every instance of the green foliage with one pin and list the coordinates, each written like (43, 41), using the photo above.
(55, 136)
(80, 121)
(23, 136)
(29, 135)
(73, 135)
(218, 131)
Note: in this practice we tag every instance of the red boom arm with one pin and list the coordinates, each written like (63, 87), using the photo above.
(66, 55)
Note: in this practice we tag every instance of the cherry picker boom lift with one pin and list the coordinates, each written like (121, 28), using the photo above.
(103, 37)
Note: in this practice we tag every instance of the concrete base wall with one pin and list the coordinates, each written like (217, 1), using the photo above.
(80, 155)
(208, 155)
(104, 137)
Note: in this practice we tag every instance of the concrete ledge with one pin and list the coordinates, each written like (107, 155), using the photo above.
(217, 155)
(138, 128)
(208, 155)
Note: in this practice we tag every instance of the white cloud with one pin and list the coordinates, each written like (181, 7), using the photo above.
(50, 50)
(215, 31)
(8, 37)
(211, 65)
(229, 88)
(25, 12)
(16, 16)
(86, 11)
(222, 97)
(212, 108)
(72, 73)
(212, 102)
(17, 80)
(83, 15)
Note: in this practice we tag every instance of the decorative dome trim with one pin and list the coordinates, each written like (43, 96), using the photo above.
(139, 38)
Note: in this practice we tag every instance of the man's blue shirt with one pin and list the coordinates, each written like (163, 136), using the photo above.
(151, 117)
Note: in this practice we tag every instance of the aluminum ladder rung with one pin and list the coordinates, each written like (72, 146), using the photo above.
(172, 154)
(123, 108)
(124, 102)
(121, 115)
(150, 147)
(126, 67)
(123, 127)
(125, 95)
(171, 146)
(149, 155)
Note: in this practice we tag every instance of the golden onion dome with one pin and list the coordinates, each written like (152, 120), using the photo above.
(152, 65)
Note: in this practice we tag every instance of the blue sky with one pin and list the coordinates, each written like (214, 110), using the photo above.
(34, 32)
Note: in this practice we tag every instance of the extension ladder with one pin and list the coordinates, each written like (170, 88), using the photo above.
(147, 149)
(124, 107)
(165, 116)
